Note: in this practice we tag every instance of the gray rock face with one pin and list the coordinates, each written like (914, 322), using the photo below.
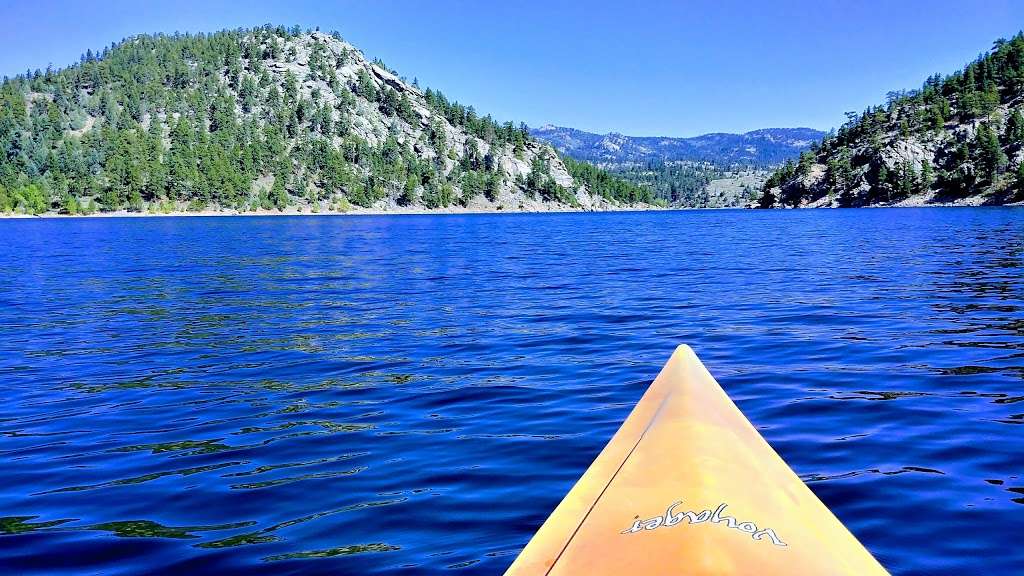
(818, 187)
(906, 152)
(369, 123)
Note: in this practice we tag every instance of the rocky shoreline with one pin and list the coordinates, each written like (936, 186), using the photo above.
(293, 211)
(917, 202)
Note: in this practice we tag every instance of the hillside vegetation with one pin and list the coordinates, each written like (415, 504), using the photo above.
(267, 119)
(691, 184)
(956, 140)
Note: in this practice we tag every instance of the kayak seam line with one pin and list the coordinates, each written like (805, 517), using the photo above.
(605, 489)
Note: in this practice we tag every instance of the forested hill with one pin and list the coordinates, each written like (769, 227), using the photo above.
(765, 147)
(956, 140)
(708, 171)
(267, 119)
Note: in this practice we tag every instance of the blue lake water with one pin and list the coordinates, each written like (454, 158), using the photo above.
(407, 394)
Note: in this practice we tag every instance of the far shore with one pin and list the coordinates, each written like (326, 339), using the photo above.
(452, 210)
(354, 212)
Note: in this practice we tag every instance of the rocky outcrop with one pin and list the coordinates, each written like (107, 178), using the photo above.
(375, 127)
(957, 140)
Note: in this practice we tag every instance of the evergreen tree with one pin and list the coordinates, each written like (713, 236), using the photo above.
(408, 197)
(1014, 133)
(990, 157)
(927, 175)
(906, 181)
(1018, 183)
(278, 195)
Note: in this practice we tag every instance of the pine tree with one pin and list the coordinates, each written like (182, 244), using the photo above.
(938, 119)
(408, 197)
(1019, 181)
(278, 196)
(906, 182)
(927, 176)
(1014, 133)
(989, 154)
(248, 91)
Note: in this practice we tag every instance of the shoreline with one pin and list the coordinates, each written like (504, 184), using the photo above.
(454, 211)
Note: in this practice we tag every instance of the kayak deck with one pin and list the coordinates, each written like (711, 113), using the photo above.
(688, 486)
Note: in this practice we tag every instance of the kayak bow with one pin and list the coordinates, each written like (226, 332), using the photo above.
(688, 486)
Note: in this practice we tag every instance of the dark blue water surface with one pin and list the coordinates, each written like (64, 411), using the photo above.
(392, 395)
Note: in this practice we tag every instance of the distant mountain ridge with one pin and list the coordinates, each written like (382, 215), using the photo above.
(764, 147)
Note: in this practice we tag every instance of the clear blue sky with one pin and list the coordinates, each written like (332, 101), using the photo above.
(641, 68)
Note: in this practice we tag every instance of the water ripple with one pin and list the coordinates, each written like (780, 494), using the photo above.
(393, 395)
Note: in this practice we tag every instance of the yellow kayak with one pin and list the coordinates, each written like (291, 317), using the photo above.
(687, 486)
